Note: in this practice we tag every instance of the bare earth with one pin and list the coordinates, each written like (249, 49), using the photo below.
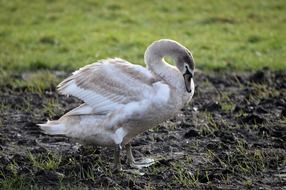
(231, 136)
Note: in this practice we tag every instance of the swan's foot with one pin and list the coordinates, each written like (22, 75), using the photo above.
(144, 163)
(139, 164)
(134, 172)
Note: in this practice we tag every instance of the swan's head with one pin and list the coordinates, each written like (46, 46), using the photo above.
(185, 63)
(181, 55)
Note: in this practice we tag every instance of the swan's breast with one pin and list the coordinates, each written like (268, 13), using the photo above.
(162, 93)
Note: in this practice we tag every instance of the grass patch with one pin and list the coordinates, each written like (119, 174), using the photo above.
(69, 34)
(13, 182)
(45, 162)
(51, 108)
(186, 178)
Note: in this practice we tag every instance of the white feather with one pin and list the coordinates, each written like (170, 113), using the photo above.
(53, 128)
(119, 135)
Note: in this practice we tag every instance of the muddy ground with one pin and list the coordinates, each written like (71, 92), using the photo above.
(231, 136)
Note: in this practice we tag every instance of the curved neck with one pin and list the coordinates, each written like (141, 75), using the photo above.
(154, 55)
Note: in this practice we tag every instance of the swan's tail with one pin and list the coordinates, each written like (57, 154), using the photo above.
(53, 128)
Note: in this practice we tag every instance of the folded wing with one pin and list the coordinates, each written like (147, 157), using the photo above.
(108, 85)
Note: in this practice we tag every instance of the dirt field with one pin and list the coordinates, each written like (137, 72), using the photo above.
(231, 136)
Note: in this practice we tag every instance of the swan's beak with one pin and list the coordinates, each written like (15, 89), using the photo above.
(188, 78)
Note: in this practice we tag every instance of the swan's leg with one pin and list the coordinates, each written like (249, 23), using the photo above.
(142, 164)
(130, 157)
(117, 159)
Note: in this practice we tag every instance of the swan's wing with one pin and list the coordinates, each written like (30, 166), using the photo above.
(83, 109)
(108, 85)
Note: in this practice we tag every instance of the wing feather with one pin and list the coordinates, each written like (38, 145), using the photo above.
(109, 84)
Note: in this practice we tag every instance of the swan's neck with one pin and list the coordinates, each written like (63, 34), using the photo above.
(154, 55)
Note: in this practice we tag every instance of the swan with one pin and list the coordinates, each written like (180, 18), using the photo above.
(122, 100)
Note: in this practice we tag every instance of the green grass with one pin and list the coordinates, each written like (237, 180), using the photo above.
(69, 34)
(46, 162)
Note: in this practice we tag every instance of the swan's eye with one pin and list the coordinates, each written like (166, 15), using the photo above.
(188, 59)
(187, 71)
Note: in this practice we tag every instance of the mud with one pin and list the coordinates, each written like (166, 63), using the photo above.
(231, 136)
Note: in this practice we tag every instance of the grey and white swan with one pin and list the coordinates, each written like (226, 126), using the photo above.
(122, 100)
